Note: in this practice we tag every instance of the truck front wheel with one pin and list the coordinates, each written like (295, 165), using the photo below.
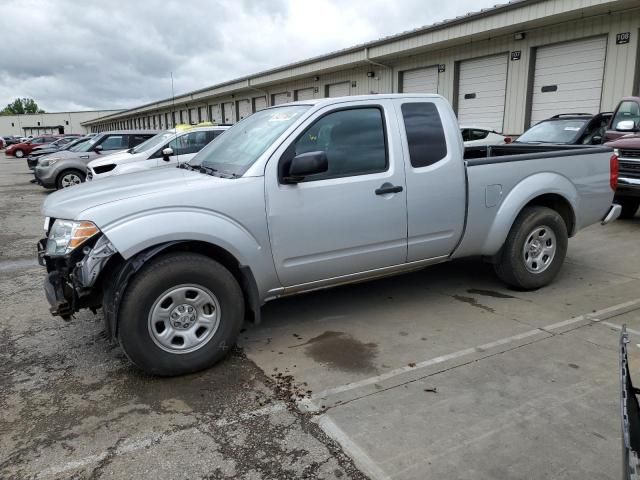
(181, 313)
(534, 250)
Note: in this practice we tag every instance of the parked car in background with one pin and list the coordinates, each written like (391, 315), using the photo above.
(2, 144)
(67, 168)
(19, 150)
(568, 129)
(303, 196)
(625, 120)
(166, 149)
(478, 137)
(40, 152)
(11, 140)
(628, 192)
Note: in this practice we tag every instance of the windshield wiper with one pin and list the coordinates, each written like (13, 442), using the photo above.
(207, 170)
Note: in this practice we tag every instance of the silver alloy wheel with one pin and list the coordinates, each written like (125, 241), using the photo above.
(539, 249)
(184, 318)
(19, 154)
(70, 179)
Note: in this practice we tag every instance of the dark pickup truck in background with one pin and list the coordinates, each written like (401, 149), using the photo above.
(623, 135)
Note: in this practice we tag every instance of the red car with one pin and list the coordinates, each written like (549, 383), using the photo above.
(19, 150)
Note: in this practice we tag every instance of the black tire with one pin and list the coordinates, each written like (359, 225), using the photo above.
(60, 180)
(18, 153)
(511, 266)
(629, 207)
(153, 280)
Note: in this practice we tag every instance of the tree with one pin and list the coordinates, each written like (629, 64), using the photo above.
(21, 106)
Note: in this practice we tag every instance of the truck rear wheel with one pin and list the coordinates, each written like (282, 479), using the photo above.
(181, 313)
(629, 206)
(534, 250)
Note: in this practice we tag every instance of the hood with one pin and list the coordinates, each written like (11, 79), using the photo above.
(117, 158)
(69, 203)
(627, 141)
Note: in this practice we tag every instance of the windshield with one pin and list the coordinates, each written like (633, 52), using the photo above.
(241, 145)
(555, 131)
(153, 142)
(76, 145)
(88, 146)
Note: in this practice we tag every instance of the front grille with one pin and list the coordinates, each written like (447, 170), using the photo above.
(630, 154)
(629, 169)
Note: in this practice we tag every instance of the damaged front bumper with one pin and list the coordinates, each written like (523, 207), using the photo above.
(70, 281)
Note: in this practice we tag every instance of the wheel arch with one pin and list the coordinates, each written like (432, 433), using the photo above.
(544, 189)
(119, 271)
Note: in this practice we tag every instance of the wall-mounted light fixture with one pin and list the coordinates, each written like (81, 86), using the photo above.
(519, 36)
(371, 74)
(316, 79)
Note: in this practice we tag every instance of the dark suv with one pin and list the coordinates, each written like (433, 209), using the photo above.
(569, 129)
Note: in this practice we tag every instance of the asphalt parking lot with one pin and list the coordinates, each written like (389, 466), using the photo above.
(442, 373)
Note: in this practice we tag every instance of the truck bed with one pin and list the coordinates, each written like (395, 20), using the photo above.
(508, 177)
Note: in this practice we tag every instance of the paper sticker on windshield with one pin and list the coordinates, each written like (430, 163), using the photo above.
(282, 116)
(572, 129)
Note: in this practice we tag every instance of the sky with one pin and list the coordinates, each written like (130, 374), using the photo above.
(97, 54)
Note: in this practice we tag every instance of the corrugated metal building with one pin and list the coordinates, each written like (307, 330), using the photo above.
(503, 68)
(57, 122)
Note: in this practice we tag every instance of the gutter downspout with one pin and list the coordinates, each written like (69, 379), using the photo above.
(368, 60)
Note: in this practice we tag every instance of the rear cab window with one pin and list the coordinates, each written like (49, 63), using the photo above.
(425, 133)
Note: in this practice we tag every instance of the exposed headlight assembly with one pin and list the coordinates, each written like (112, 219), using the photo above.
(66, 235)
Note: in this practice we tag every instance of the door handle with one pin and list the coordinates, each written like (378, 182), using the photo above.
(387, 188)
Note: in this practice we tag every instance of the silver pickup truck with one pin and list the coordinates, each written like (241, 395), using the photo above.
(304, 196)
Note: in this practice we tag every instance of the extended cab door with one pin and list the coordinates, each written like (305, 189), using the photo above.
(436, 177)
(351, 218)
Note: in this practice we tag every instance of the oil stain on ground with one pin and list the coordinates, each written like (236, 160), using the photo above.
(474, 303)
(488, 293)
(341, 351)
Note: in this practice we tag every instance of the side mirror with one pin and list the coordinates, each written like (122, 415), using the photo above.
(596, 140)
(305, 164)
(166, 153)
(626, 126)
(98, 148)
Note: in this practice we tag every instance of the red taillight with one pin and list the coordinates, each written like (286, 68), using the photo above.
(613, 172)
(508, 140)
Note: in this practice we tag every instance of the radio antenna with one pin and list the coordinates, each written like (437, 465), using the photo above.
(173, 102)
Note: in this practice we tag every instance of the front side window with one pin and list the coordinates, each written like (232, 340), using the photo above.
(191, 142)
(353, 140)
(425, 135)
(115, 142)
(627, 111)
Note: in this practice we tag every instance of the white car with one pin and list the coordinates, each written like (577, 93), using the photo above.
(481, 137)
(165, 149)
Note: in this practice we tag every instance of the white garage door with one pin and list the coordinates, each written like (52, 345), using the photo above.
(481, 91)
(421, 80)
(193, 115)
(215, 113)
(568, 78)
(339, 89)
(304, 94)
(280, 98)
(259, 103)
(228, 112)
(244, 108)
